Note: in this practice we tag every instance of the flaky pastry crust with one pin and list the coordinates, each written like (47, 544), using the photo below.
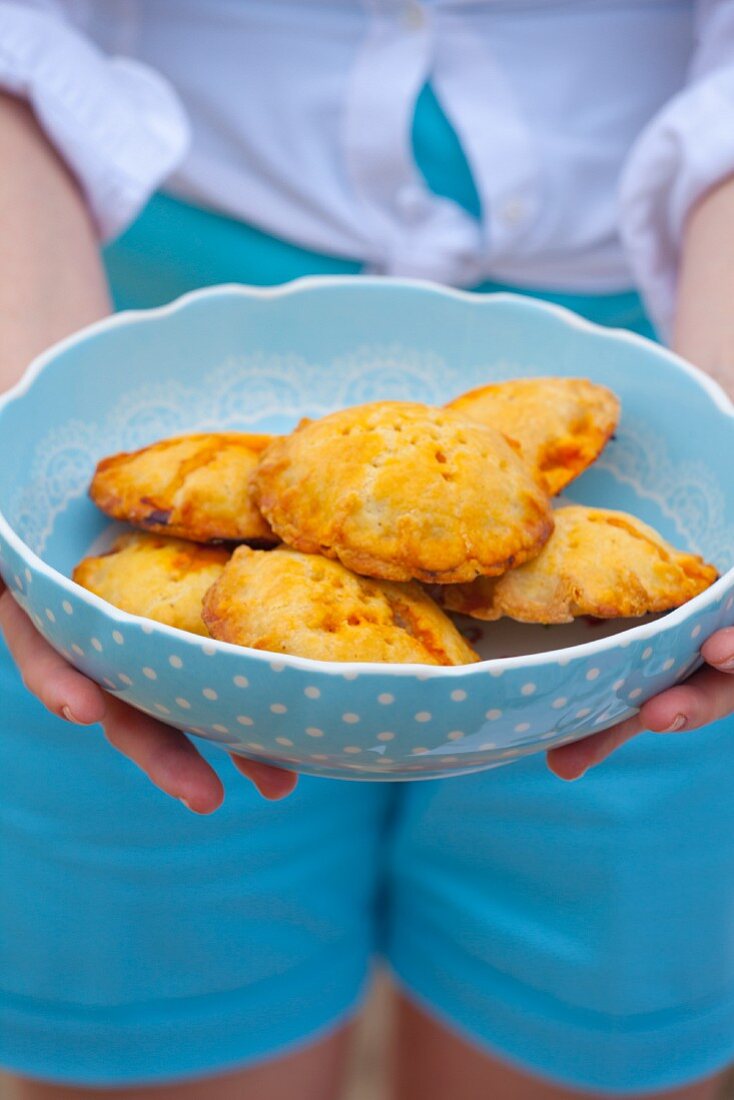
(194, 487)
(156, 577)
(597, 562)
(402, 491)
(559, 425)
(284, 601)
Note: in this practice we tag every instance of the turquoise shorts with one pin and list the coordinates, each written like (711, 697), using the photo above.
(580, 931)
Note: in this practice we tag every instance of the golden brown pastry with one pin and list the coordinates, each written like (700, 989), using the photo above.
(402, 491)
(194, 487)
(287, 602)
(560, 425)
(596, 562)
(156, 577)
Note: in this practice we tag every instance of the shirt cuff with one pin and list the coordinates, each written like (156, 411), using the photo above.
(686, 149)
(117, 123)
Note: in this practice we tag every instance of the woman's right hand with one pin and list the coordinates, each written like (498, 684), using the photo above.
(165, 754)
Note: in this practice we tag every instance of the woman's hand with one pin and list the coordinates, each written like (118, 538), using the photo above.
(705, 697)
(166, 756)
(704, 334)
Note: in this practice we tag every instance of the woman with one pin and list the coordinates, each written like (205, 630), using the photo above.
(543, 937)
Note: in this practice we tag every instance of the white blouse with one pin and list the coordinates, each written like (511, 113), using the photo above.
(590, 126)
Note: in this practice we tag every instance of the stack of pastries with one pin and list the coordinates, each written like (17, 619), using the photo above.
(354, 537)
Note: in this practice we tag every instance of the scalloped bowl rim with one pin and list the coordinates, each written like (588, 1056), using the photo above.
(313, 282)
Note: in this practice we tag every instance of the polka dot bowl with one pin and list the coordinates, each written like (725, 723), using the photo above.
(233, 357)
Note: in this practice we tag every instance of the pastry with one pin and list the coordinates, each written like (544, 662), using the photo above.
(156, 577)
(193, 487)
(559, 425)
(288, 602)
(403, 491)
(597, 562)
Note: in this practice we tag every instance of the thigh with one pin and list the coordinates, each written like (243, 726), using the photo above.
(580, 931)
(432, 1062)
(139, 942)
(315, 1073)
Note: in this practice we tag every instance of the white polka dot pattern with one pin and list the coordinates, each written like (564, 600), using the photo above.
(351, 714)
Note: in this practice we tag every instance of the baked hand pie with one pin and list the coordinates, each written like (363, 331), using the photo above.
(559, 425)
(402, 491)
(193, 487)
(596, 562)
(287, 602)
(155, 577)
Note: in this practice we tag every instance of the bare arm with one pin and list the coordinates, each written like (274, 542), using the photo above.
(704, 334)
(51, 277)
(704, 322)
(52, 283)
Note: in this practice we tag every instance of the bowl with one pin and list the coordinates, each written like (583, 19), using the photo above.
(236, 357)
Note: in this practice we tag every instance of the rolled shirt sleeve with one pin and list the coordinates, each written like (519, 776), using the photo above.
(686, 149)
(118, 124)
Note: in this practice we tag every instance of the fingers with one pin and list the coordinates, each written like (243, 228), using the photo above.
(166, 756)
(704, 698)
(718, 650)
(62, 690)
(272, 783)
(572, 761)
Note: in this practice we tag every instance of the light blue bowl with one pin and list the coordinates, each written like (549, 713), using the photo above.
(234, 357)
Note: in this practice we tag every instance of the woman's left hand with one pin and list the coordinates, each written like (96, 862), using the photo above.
(707, 696)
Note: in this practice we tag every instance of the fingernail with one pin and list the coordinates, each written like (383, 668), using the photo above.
(67, 714)
(187, 805)
(272, 789)
(677, 724)
(727, 665)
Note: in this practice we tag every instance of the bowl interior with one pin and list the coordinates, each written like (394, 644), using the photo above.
(237, 360)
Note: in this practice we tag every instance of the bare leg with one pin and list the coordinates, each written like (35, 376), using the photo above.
(315, 1073)
(432, 1064)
